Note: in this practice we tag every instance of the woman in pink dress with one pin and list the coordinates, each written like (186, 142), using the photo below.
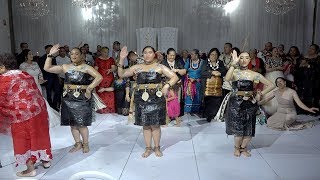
(173, 106)
(106, 66)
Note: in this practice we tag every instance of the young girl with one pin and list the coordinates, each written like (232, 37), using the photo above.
(173, 105)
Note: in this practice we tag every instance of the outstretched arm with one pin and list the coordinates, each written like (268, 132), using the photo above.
(301, 105)
(48, 64)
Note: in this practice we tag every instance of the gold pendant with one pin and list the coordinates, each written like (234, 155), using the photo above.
(145, 96)
(76, 94)
(159, 93)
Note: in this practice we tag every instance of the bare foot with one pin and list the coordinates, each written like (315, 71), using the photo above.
(76, 147)
(147, 152)
(27, 173)
(157, 151)
(237, 152)
(85, 147)
(245, 152)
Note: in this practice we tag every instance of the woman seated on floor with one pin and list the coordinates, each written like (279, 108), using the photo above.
(286, 115)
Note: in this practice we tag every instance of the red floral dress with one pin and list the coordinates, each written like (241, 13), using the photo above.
(23, 112)
(107, 97)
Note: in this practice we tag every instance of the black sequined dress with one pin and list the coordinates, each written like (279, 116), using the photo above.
(76, 111)
(152, 111)
(241, 114)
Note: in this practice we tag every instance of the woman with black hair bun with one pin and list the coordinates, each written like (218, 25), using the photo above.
(286, 115)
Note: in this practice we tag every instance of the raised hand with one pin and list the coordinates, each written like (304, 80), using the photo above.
(235, 58)
(54, 50)
(123, 53)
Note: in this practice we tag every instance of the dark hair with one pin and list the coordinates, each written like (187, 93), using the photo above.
(315, 46)
(197, 52)
(105, 47)
(25, 53)
(281, 45)
(237, 50)
(269, 43)
(48, 46)
(116, 43)
(274, 48)
(297, 49)
(23, 43)
(130, 52)
(288, 83)
(171, 49)
(212, 50)
(8, 61)
(86, 44)
(149, 47)
(228, 44)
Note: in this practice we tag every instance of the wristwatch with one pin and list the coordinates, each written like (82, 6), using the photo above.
(50, 56)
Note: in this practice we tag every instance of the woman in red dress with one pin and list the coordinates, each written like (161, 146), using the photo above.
(106, 66)
(23, 112)
(256, 64)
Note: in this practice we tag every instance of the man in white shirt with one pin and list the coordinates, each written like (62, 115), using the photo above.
(62, 59)
(226, 57)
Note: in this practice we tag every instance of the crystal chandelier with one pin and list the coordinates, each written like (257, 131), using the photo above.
(216, 3)
(85, 3)
(104, 16)
(278, 7)
(33, 8)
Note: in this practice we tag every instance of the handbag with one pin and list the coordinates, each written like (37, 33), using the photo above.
(98, 103)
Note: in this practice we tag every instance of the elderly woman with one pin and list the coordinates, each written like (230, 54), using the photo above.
(177, 67)
(150, 103)
(23, 112)
(242, 106)
(76, 106)
(286, 115)
(192, 84)
(212, 73)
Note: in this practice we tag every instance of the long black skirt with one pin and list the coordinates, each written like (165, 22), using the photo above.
(76, 111)
(150, 112)
(241, 117)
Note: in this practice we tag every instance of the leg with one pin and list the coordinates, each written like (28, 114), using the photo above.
(156, 135)
(178, 121)
(147, 134)
(29, 172)
(76, 136)
(237, 144)
(84, 132)
(244, 145)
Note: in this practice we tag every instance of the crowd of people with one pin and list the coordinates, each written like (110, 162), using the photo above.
(152, 90)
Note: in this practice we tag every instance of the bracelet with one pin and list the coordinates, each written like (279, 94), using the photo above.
(50, 55)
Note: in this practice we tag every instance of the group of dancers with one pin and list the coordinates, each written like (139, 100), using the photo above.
(24, 114)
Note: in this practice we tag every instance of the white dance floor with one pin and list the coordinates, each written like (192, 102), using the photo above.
(197, 150)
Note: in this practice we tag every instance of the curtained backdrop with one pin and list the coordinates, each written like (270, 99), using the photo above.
(65, 25)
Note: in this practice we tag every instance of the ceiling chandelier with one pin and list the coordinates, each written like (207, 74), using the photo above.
(217, 3)
(33, 8)
(85, 3)
(278, 7)
(104, 16)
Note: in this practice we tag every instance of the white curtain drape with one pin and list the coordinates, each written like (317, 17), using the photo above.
(65, 25)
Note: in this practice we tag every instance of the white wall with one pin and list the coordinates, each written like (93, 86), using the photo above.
(5, 44)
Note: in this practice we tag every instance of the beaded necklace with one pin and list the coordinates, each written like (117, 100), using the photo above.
(213, 67)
